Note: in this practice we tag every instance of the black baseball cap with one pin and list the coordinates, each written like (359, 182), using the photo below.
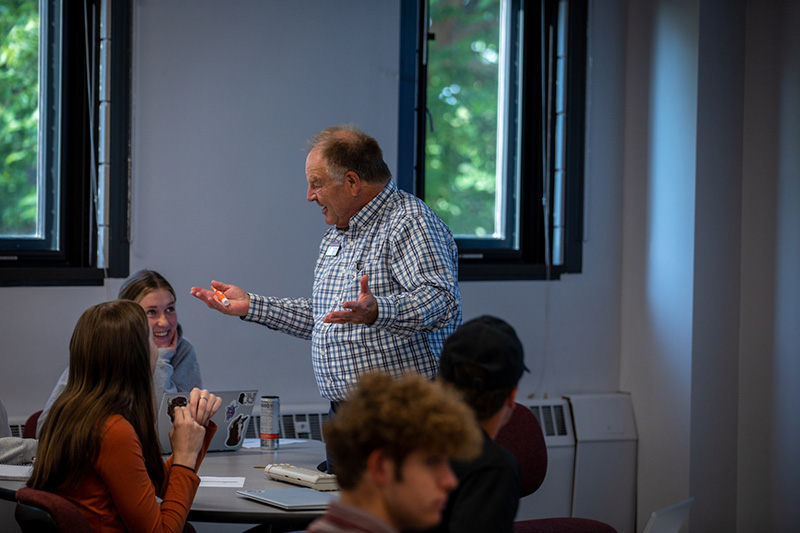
(488, 343)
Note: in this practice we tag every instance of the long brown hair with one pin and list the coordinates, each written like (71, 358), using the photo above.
(109, 373)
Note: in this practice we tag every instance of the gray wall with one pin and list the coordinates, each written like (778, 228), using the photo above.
(686, 299)
(224, 101)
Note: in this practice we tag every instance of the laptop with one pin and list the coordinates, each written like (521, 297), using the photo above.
(231, 418)
(669, 519)
(294, 499)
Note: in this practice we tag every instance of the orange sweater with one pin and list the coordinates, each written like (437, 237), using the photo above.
(117, 494)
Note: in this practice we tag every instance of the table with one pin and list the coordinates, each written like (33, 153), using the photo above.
(215, 504)
(223, 505)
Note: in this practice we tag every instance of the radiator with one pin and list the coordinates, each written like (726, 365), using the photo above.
(554, 497)
(16, 424)
(591, 451)
(301, 421)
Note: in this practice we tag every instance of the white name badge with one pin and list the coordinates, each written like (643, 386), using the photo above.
(333, 248)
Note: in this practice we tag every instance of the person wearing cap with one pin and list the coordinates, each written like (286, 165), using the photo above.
(393, 441)
(484, 360)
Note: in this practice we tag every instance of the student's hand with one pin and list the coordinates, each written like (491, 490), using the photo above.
(239, 299)
(362, 311)
(203, 405)
(186, 437)
(173, 341)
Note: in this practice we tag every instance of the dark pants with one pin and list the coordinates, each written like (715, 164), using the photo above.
(327, 466)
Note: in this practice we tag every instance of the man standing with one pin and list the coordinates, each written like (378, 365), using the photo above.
(393, 440)
(385, 293)
(484, 360)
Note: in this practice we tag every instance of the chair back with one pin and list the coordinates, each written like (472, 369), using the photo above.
(39, 511)
(29, 429)
(523, 437)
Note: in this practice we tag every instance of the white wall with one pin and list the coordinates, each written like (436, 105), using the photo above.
(658, 242)
(225, 96)
(226, 93)
(710, 352)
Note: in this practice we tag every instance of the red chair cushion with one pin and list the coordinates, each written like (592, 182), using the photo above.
(523, 437)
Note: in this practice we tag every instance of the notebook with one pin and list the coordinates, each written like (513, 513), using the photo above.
(669, 519)
(231, 418)
(294, 499)
(16, 472)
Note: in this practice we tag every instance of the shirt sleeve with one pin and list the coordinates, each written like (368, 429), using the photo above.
(293, 316)
(61, 384)
(424, 263)
(211, 430)
(121, 466)
(16, 450)
(162, 378)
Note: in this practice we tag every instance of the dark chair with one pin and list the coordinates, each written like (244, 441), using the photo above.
(39, 511)
(29, 429)
(523, 437)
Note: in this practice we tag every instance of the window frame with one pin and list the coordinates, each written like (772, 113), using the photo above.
(529, 262)
(75, 262)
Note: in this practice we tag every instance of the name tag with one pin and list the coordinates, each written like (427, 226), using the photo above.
(333, 249)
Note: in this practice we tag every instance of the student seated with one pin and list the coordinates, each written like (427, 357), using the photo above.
(14, 450)
(391, 443)
(99, 447)
(484, 360)
(177, 369)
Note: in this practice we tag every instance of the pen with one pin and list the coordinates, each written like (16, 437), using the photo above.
(221, 296)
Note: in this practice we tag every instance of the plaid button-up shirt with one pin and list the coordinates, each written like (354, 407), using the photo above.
(412, 262)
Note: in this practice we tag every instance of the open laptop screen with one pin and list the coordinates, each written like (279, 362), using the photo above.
(232, 418)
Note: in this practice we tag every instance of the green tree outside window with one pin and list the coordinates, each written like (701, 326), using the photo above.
(462, 99)
(19, 117)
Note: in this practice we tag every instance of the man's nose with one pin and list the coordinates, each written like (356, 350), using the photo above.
(449, 479)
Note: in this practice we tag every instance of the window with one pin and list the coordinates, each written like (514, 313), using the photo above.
(64, 125)
(492, 129)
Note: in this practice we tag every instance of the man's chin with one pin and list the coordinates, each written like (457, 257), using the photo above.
(424, 522)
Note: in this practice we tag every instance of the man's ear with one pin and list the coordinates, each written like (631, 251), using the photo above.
(380, 467)
(512, 398)
(353, 182)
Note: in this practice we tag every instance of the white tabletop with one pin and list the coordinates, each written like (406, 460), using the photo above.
(222, 504)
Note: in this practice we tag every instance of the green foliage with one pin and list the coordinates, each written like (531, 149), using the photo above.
(461, 150)
(19, 115)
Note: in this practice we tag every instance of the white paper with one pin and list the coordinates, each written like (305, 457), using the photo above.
(215, 481)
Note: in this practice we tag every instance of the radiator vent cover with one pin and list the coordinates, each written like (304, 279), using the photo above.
(16, 429)
(555, 418)
(296, 423)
